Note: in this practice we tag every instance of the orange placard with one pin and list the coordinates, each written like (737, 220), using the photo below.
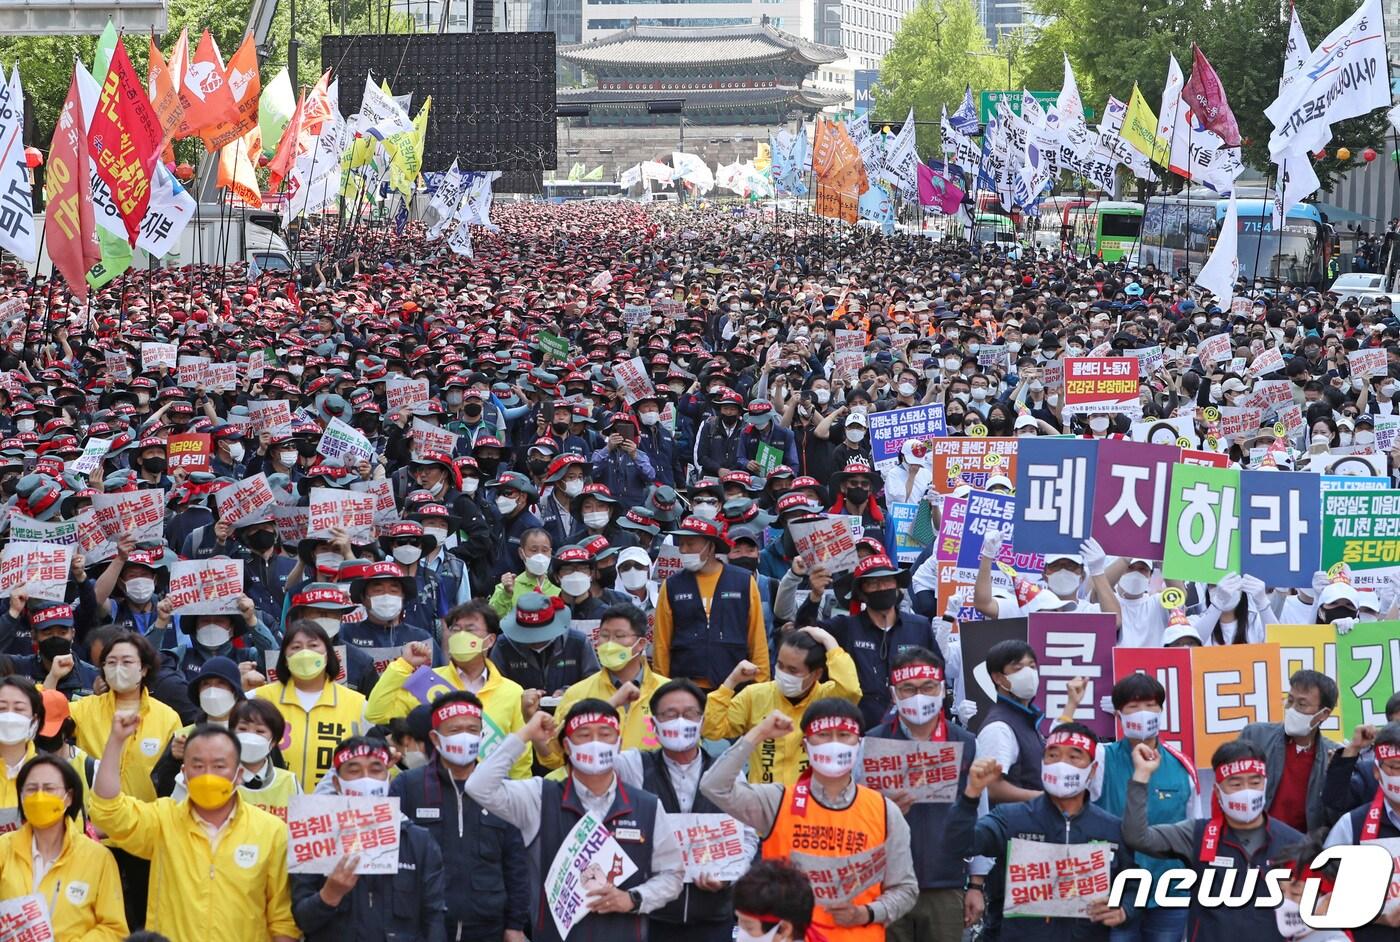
(973, 460)
(1233, 685)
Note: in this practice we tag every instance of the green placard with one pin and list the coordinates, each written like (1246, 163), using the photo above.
(768, 458)
(554, 346)
(1361, 529)
(1366, 663)
(1203, 532)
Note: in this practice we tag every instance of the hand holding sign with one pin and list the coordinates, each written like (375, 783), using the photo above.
(340, 881)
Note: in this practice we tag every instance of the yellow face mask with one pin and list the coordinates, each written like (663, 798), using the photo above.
(43, 809)
(210, 791)
(306, 664)
(463, 645)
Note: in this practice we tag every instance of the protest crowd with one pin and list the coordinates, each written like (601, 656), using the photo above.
(694, 575)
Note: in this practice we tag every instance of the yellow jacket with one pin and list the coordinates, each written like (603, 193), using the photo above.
(9, 797)
(82, 889)
(728, 715)
(499, 696)
(235, 892)
(311, 738)
(637, 729)
(93, 717)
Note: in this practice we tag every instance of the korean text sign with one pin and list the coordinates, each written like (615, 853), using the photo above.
(1102, 384)
(1069, 645)
(322, 829)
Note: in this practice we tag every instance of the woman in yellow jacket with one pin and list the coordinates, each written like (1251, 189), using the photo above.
(79, 882)
(795, 686)
(319, 712)
(21, 706)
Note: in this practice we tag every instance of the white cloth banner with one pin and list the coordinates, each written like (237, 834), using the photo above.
(17, 231)
(1220, 272)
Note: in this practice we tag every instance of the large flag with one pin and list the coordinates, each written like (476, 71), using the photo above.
(1206, 97)
(1345, 76)
(406, 152)
(204, 90)
(289, 147)
(964, 120)
(1220, 272)
(124, 141)
(901, 161)
(237, 168)
(1140, 129)
(442, 208)
(939, 188)
(958, 148)
(321, 105)
(170, 212)
(16, 200)
(245, 87)
(693, 170)
(1068, 115)
(276, 106)
(1111, 141)
(380, 115)
(68, 220)
(1294, 54)
(1197, 153)
(1294, 177)
(160, 86)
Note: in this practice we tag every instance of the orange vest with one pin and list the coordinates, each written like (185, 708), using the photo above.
(806, 827)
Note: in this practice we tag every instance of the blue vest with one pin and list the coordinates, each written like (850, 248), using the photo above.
(707, 647)
(1025, 726)
(1241, 922)
(1169, 794)
(632, 820)
(693, 905)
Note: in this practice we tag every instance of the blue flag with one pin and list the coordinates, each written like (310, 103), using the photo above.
(965, 118)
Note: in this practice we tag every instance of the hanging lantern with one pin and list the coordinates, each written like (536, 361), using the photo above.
(1344, 153)
(184, 173)
(1369, 154)
(33, 157)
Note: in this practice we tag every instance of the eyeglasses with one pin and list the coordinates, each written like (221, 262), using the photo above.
(693, 714)
(623, 638)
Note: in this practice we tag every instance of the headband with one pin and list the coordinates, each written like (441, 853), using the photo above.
(916, 672)
(586, 719)
(759, 917)
(1240, 767)
(1077, 740)
(360, 751)
(832, 724)
(1385, 750)
(447, 711)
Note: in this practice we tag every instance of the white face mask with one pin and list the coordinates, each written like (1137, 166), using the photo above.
(506, 505)
(537, 564)
(1141, 725)
(253, 747)
(1297, 723)
(1063, 583)
(235, 452)
(692, 562)
(365, 787)
(832, 758)
(141, 590)
(1024, 683)
(920, 708)
(907, 389)
(1289, 919)
(212, 637)
(385, 607)
(24, 425)
(216, 701)
(15, 728)
(633, 578)
(573, 487)
(649, 418)
(469, 486)
(1099, 423)
(1364, 438)
(576, 583)
(122, 678)
(593, 757)
(855, 435)
(437, 534)
(705, 511)
(330, 562)
(979, 393)
(296, 369)
(460, 749)
(1243, 806)
(1390, 784)
(1063, 780)
(330, 624)
(407, 555)
(1132, 583)
(286, 458)
(789, 685)
(597, 519)
(678, 735)
(823, 396)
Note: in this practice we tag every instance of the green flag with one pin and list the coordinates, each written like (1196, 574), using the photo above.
(102, 58)
(595, 174)
(1203, 533)
(922, 530)
(275, 108)
(116, 258)
(576, 172)
(1365, 665)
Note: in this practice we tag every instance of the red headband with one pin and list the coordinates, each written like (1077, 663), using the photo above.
(456, 708)
(1240, 767)
(1386, 751)
(831, 724)
(1077, 740)
(361, 751)
(916, 672)
(585, 719)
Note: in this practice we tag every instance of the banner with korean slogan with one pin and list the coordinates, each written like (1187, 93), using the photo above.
(273, 416)
(323, 829)
(1069, 645)
(890, 430)
(93, 453)
(42, 569)
(986, 513)
(1102, 384)
(899, 532)
(828, 543)
(953, 580)
(400, 393)
(1233, 685)
(971, 461)
(927, 772)
(155, 355)
(205, 586)
(140, 513)
(1054, 493)
(1172, 668)
(1203, 532)
(1369, 361)
(25, 919)
(1311, 648)
(1362, 530)
(27, 529)
(249, 499)
(430, 439)
(193, 451)
(350, 511)
(1368, 671)
(1046, 880)
(837, 880)
(1131, 487)
(631, 376)
(1279, 527)
(712, 845)
(344, 443)
(589, 859)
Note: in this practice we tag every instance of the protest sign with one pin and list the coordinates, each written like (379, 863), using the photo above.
(426, 685)
(1312, 648)
(601, 281)
(837, 880)
(140, 513)
(925, 771)
(205, 586)
(589, 858)
(668, 562)
(987, 512)
(1233, 685)
(430, 439)
(193, 451)
(901, 517)
(1387, 431)
(93, 543)
(1172, 668)
(1213, 349)
(1150, 359)
(156, 355)
(221, 377)
(323, 829)
(42, 569)
(635, 315)
(1102, 384)
(273, 416)
(1238, 423)
(26, 918)
(291, 523)
(93, 453)
(248, 500)
(192, 372)
(1362, 530)
(950, 529)
(1045, 880)
(256, 365)
(1368, 671)
(1269, 395)
(1268, 361)
(850, 353)
(632, 378)
(890, 430)
(1203, 534)
(993, 356)
(553, 345)
(1343, 482)
(27, 529)
(1368, 361)
(400, 393)
(971, 461)
(344, 443)
(712, 845)
(954, 580)
(1280, 542)
(118, 366)
(975, 645)
(1069, 645)
(385, 509)
(768, 457)
(1131, 485)
(828, 543)
(1054, 493)
(350, 511)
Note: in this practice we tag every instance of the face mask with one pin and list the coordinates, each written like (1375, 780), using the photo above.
(408, 555)
(537, 564)
(678, 735)
(216, 701)
(1364, 438)
(506, 505)
(920, 708)
(857, 495)
(235, 452)
(15, 728)
(855, 435)
(1063, 583)
(329, 624)
(832, 758)
(463, 645)
(692, 562)
(1063, 780)
(329, 562)
(210, 791)
(649, 418)
(460, 749)
(51, 648)
(296, 369)
(1024, 683)
(24, 425)
(140, 590)
(212, 637)
(436, 533)
(1296, 723)
(823, 396)
(1132, 583)
(253, 747)
(907, 389)
(469, 486)
(1141, 724)
(979, 393)
(306, 664)
(613, 656)
(706, 511)
(1099, 423)
(597, 519)
(385, 607)
(882, 600)
(1289, 920)
(592, 758)
(789, 685)
(633, 578)
(414, 760)
(122, 678)
(1243, 806)
(576, 583)
(42, 809)
(365, 787)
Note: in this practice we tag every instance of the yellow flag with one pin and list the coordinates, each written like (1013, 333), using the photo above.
(406, 152)
(1140, 130)
(764, 158)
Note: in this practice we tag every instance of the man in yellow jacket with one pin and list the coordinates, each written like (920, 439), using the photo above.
(470, 631)
(796, 686)
(625, 680)
(218, 864)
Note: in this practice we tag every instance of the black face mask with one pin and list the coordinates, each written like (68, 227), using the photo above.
(56, 646)
(857, 495)
(538, 467)
(306, 449)
(260, 540)
(153, 465)
(488, 466)
(560, 428)
(1335, 614)
(882, 600)
(472, 410)
(745, 562)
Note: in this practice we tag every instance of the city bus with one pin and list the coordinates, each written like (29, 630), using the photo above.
(1175, 231)
(1106, 228)
(1299, 254)
(564, 191)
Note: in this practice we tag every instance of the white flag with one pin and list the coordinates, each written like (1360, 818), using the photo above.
(902, 161)
(461, 241)
(379, 114)
(17, 230)
(1220, 272)
(630, 177)
(442, 208)
(1068, 114)
(1197, 153)
(170, 211)
(1294, 54)
(693, 170)
(1294, 181)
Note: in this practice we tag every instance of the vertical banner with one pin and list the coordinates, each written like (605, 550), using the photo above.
(1131, 487)
(1203, 524)
(1069, 645)
(1368, 670)
(1172, 668)
(1279, 524)
(1234, 685)
(1054, 493)
(1362, 530)
(975, 645)
(1310, 648)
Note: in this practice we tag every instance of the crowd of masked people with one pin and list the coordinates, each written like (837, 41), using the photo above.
(602, 578)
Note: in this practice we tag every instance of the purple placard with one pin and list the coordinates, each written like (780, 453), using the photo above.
(1132, 488)
(1069, 645)
(426, 684)
(950, 529)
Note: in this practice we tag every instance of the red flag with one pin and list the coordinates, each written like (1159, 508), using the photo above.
(204, 89)
(318, 106)
(241, 78)
(161, 89)
(1205, 96)
(125, 140)
(236, 162)
(68, 223)
(287, 148)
